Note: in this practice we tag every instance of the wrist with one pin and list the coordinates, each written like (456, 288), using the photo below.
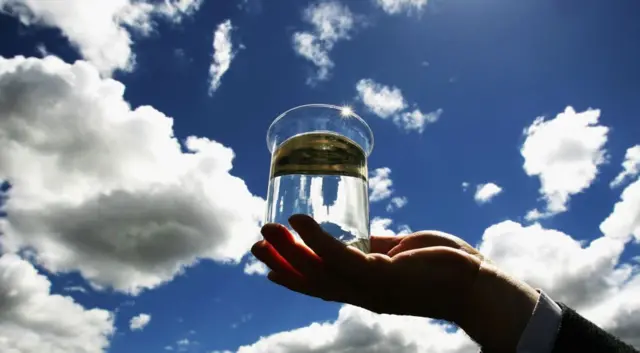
(498, 310)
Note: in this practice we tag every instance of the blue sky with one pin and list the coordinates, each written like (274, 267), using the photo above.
(514, 125)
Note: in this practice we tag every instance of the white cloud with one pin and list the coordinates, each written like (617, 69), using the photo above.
(255, 267)
(139, 322)
(572, 274)
(183, 342)
(381, 100)
(564, 153)
(589, 279)
(624, 221)
(417, 120)
(359, 330)
(331, 22)
(75, 289)
(465, 185)
(380, 184)
(184, 345)
(535, 214)
(486, 192)
(104, 189)
(630, 166)
(586, 276)
(100, 30)
(388, 102)
(32, 320)
(222, 54)
(177, 9)
(397, 203)
(394, 7)
(382, 226)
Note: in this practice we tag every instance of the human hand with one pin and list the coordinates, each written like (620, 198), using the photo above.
(426, 274)
(429, 274)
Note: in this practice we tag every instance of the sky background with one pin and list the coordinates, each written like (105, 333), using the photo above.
(134, 166)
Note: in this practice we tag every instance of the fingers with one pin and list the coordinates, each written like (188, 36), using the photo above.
(289, 282)
(334, 254)
(305, 261)
(424, 240)
(382, 244)
(266, 253)
(442, 265)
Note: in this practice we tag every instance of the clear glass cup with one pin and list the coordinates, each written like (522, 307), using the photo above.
(319, 168)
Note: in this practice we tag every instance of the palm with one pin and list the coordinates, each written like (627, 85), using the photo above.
(427, 280)
(415, 274)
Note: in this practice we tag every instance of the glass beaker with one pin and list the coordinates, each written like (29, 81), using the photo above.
(319, 168)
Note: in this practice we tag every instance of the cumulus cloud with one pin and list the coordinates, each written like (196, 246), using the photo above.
(416, 120)
(138, 322)
(564, 153)
(387, 102)
(486, 192)
(255, 267)
(624, 222)
(177, 9)
(331, 22)
(630, 166)
(222, 55)
(106, 190)
(32, 320)
(397, 203)
(394, 7)
(100, 30)
(381, 100)
(382, 226)
(572, 273)
(358, 330)
(380, 184)
(590, 277)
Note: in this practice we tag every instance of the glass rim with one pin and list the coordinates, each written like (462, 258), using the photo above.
(352, 114)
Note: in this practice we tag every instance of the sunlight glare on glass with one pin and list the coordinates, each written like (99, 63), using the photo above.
(346, 111)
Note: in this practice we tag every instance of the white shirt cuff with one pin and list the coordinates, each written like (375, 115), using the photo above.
(540, 334)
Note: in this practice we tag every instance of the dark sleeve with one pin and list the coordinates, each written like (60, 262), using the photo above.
(578, 335)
